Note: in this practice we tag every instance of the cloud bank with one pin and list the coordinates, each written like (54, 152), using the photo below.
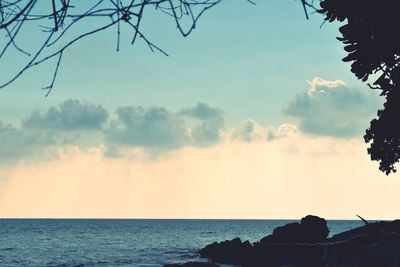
(84, 124)
(328, 108)
(331, 108)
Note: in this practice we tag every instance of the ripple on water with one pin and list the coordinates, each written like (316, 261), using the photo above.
(98, 243)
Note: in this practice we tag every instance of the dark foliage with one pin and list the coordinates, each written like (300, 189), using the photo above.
(371, 36)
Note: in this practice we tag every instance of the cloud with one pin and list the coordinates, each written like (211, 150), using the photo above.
(86, 125)
(42, 134)
(160, 129)
(248, 131)
(13, 142)
(23, 143)
(282, 131)
(332, 108)
(205, 124)
(69, 115)
(202, 111)
(136, 131)
(153, 127)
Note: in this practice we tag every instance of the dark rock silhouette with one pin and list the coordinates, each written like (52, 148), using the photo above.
(311, 229)
(274, 250)
(305, 244)
(230, 252)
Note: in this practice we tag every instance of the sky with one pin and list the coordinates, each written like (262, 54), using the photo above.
(252, 116)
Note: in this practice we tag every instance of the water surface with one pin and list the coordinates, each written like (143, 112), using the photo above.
(122, 242)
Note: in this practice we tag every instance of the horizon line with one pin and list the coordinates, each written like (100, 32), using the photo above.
(199, 219)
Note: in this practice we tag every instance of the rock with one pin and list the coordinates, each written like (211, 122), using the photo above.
(290, 232)
(314, 229)
(377, 227)
(230, 252)
(366, 250)
(374, 244)
(192, 264)
(286, 254)
(277, 249)
(311, 229)
(305, 244)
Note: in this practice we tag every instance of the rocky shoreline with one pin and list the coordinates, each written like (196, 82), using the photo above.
(306, 244)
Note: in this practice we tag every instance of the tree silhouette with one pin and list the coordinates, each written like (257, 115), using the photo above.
(371, 36)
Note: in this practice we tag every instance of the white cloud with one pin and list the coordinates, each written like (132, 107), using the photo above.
(249, 131)
(332, 108)
(318, 84)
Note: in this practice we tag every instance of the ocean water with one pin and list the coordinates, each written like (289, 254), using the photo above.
(120, 242)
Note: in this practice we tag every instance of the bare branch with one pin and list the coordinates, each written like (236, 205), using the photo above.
(62, 16)
(50, 87)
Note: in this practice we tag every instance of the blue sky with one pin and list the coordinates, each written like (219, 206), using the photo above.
(249, 60)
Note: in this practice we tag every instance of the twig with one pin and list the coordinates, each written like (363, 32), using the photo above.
(61, 18)
(50, 87)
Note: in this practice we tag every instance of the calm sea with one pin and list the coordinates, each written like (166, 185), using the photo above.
(64, 242)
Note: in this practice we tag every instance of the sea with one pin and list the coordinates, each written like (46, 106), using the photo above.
(124, 242)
